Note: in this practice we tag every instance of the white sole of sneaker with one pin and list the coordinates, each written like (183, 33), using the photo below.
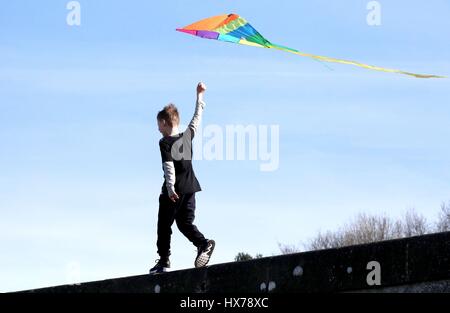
(203, 259)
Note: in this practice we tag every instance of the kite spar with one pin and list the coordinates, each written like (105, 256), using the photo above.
(235, 29)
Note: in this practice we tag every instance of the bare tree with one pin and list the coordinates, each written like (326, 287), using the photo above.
(443, 223)
(369, 228)
(415, 224)
(288, 249)
(326, 240)
(366, 228)
(363, 229)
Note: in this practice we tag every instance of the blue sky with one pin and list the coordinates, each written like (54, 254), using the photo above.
(80, 169)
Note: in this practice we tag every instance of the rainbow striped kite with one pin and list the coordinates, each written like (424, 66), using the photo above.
(235, 29)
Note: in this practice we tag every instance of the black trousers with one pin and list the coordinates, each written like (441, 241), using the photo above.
(183, 212)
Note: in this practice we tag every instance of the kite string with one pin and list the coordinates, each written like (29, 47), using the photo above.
(286, 49)
(324, 64)
(367, 66)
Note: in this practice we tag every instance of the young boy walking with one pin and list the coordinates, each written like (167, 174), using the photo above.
(177, 198)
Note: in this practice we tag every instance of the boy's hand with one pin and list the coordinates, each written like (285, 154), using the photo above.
(201, 88)
(174, 197)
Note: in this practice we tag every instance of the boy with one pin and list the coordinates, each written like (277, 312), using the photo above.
(177, 198)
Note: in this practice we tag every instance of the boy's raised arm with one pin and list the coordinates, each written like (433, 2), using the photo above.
(199, 106)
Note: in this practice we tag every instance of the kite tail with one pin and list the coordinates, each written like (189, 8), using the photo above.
(370, 67)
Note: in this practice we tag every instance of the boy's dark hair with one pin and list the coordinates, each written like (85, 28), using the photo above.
(169, 114)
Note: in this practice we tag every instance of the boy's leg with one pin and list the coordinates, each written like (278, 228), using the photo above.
(166, 216)
(185, 218)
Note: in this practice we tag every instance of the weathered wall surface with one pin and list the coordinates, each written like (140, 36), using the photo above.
(416, 264)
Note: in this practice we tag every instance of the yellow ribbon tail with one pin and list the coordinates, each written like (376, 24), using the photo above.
(367, 66)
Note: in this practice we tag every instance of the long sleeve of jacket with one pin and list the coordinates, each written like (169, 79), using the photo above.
(196, 119)
(169, 175)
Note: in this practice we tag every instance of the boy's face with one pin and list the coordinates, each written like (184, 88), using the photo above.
(163, 128)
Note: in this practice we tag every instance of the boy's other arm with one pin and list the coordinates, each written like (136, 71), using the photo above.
(169, 174)
(169, 170)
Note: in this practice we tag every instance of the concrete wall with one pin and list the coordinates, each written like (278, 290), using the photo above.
(416, 264)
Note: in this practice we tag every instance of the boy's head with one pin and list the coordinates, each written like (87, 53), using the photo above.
(168, 118)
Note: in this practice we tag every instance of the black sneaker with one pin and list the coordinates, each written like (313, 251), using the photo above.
(204, 253)
(161, 266)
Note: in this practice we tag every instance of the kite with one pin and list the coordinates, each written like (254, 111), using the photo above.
(235, 29)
